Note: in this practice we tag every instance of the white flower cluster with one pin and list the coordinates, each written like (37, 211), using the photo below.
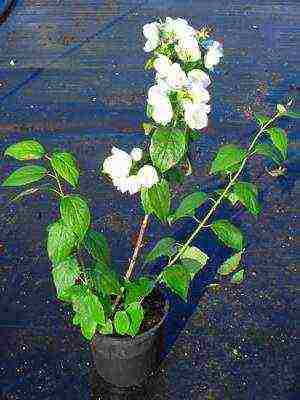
(118, 167)
(190, 88)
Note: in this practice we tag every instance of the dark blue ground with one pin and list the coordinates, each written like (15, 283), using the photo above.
(71, 75)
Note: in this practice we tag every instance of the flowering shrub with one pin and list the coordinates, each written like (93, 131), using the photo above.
(177, 106)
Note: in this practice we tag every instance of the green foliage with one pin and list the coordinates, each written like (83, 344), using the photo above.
(136, 290)
(238, 277)
(177, 278)
(227, 158)
(105, 279)
(262, 119)
(269, 151)
(157, 200)
(75, 215)
(88, 309)
(121, 322)
(188, 206)
(279, 139)
(26, 150)
(65, 275)
(228, 234)
(107, 329)
(164, 247)
(247, 194)
(96, 245)
(231, 264)
(136, 315)
(65, 166)
(193, 259)
(61, 242)
(25, 175)
(167, 148)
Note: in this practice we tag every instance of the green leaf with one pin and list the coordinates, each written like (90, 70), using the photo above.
(26, 150)
(75, 214)
(65, 166)
(293, 114)
(25, 175)
(269, 151)
(136, 314)
(227, 158)
(164, 247)
(61, 242)
(135, 291)
(231, 264)
(160, 199)
(105, 279)
(177, 278)
(146, 204)
(121, 322)
(194, 259)
(262, 119)
(247, 194)
(65, 275)
(167, 148)
(97, 246)
(89, 311)
(238, 277)
(228, 234)
(279, 139)
(107, 329)
(188, 206)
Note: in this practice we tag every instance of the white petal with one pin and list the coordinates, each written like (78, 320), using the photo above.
(199, 94)
(199, 77)
(188, 49)
(162, 65)
(148, 176)
(136, 154)
(163, 112)
(176, 78)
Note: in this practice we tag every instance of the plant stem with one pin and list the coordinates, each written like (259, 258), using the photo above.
(222, 196)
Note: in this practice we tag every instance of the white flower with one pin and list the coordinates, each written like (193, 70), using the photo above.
(155, 94)
(117, 165)
(176, 77)
(148, 176)
(151, 33)
(162, 65)
(188, 49)
(199, 78)
(136, 154)
(129, 184)
(213, 55)
(177, 29)
(162, 112)
(199, 94)
(195, 115)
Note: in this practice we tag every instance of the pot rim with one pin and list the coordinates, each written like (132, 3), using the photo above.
(140, 335)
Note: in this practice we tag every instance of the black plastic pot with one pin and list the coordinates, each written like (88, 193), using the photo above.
(126, 361)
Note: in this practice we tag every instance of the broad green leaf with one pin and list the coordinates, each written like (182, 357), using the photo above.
(76, 320)
(65, 166)
(262, 119)
(167, 148)
(175, 176)
(269, 151)
(121, 322)
(146, 204)
(65, 275)
(164, 247)
(75, 214)
(89, 311)
(279, 139)
(177, 278)
(97, 246)
(136, 314)
(228, 234)
(238, 277)
(227, 158)
(188, 206)
(160, 199)
(231, 264)
(196, 254)
(26, 150)
(105, 279)
(107, 329)
(293, 114)
(247, 194)
(61, 242)
(135, 291)
(25, 175)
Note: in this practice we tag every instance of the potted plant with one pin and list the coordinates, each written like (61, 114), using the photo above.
(123, 316)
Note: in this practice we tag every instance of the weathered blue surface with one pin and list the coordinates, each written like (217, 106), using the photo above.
(71, 75)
